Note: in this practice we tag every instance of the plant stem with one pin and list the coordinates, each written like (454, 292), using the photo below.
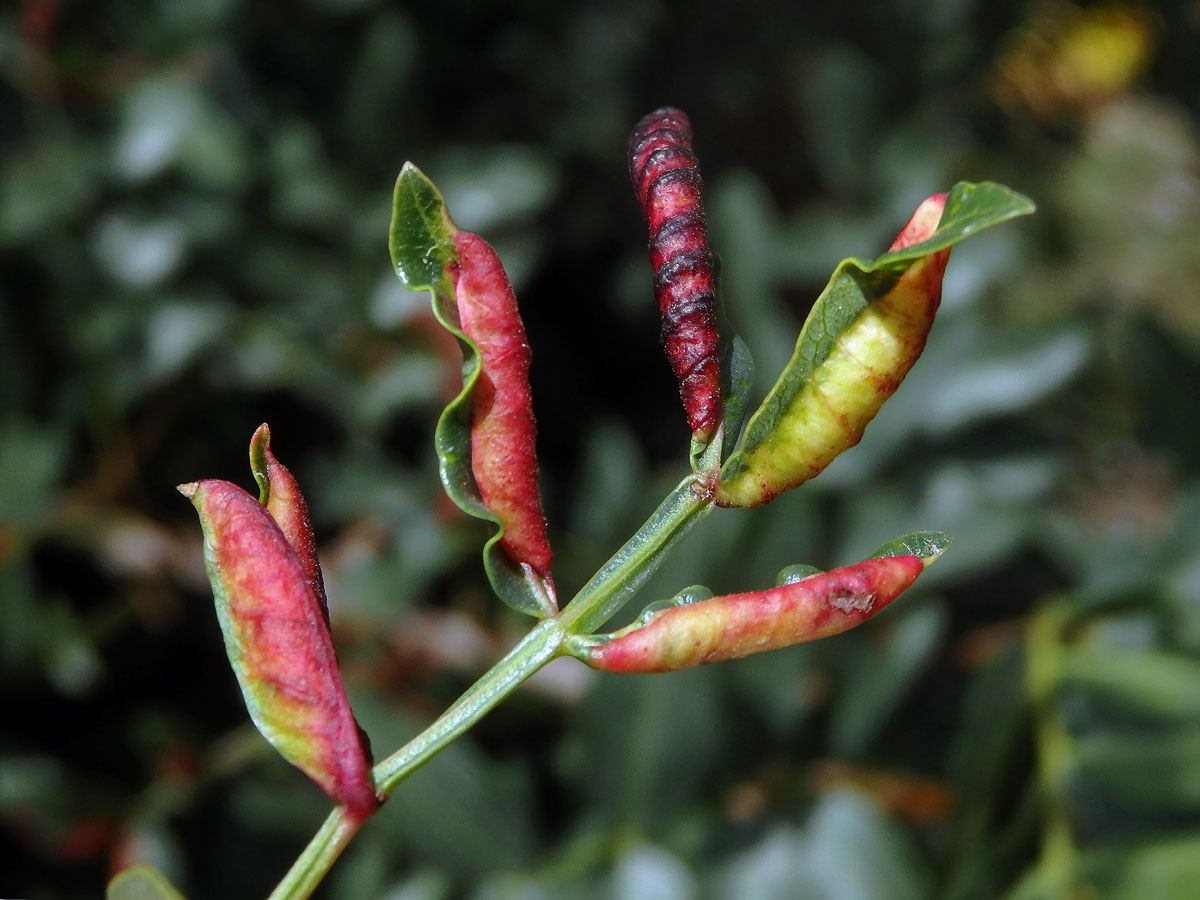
(534, 650)
(322, 851)
(603, 595)
(616, 581)
(631, 566)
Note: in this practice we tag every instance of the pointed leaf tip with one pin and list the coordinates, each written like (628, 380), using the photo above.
(925, 545)
(260, 446)
(421, 235)
(279, 492)
(188, 490)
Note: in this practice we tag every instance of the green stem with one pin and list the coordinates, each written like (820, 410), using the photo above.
(603, 595)
(618, 580)
(535, 650)
(322, 851)
(631, 566)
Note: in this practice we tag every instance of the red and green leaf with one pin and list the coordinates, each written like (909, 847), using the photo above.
(486, 438)
(280, 494)
(862, 336)
(279, 644)
(805, 606)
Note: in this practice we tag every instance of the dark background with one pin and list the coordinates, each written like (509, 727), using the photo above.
(194, 199)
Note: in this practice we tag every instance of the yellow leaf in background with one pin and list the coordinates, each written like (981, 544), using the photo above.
(1068, 61)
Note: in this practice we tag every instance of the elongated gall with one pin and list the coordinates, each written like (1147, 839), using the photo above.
(666, 179)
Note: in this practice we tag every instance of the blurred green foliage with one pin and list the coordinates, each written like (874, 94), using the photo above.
(193, 214)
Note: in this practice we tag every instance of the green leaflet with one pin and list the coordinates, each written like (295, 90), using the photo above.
(423, 251)
(928, 545)
(863, 333)
(970, 207)
(421, 236)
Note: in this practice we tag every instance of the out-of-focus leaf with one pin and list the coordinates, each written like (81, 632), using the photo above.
(21, 632)
(1003, 379)
(847, 851)
(645, 870)
(1166, 867)
(631, 767)
(1128, 216)
(377, 74)
(993, 719)
(490, 186)
(425, 884)
(168, 120)
(986, 506)
(157, 117)
(31, 458)
(463, 811)
(754, 256)
(854, 851)
(141, 883)
(1143, 771)
(178, 331)
(775, 868)
(841, 91)
(612, 468)
(138, 254)
(42, 187)
(871, 691)
(363, 870)
(1144, 682)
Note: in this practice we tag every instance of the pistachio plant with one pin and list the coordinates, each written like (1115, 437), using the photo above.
(864, 332)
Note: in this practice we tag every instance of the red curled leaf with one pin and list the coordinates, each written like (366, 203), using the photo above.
(486, 437)
(666, 178)
(279, 644)
(280, 494)
(820, 605)
(503, 431)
